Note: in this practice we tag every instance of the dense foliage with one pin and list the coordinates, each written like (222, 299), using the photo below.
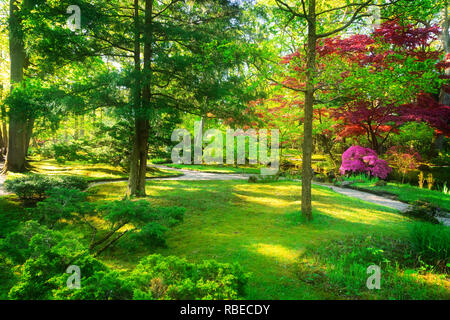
(364, 160)
(35, 186)
(42, 256)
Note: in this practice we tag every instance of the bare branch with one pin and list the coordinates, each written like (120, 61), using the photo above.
(356, 15)
(285, 7)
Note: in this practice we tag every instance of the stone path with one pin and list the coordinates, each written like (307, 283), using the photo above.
(369, 197)
(2, 180)
(199, 175)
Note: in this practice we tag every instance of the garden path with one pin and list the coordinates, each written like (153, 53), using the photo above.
(2, 180)
(191, 175)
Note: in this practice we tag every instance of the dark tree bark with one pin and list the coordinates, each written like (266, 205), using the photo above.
(133, 175)
(138, 158)
(2, 144)
(15, 159)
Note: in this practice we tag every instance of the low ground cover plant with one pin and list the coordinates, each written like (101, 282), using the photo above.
(35, 186)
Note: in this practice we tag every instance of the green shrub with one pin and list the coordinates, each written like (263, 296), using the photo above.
(264, 178)
(97, 282)
(41, 257)
(361, 177)
(173, 278)
(29, 186)
(35, 186)
(431, 242)
(61, 203)
(64, 151)
(70, 182)
(34, 261)
(150, 223)
(7, 276)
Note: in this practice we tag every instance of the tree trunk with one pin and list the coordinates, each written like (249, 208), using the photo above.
(307, 172)
(28, 133)
(4, 129)
(82, 132)
(134, 161)
(76, 127)
(15, 158)
(444, 96)
(2, 144)
(138, 158)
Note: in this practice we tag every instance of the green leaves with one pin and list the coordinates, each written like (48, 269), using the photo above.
(158, 277)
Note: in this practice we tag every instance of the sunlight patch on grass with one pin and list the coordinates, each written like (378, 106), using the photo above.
(277, 252)
(92, 172)
(272, 202)
(236, 221)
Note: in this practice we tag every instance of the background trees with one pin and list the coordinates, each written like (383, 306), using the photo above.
(153, 61)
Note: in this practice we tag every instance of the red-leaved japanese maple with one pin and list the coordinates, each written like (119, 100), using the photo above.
(391, 77)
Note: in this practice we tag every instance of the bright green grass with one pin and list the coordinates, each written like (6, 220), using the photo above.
(92, 172)
(217, 168)
(408, 193)
(252, 224)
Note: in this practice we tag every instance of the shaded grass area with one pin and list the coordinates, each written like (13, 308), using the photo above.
(257, 225)
(410, 194)
(339, 265)
(91, 172)
(217, 168)
(12, 214)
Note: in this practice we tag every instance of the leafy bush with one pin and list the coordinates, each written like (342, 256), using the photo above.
(149, 223)
(7, 276)
(40, 257)
(35, 186)
(158, 277)
(70, 182)
(29, 186)
(61, 204)
(357, 159)
(361, 177)
(404, 159)
(431, 242)
(64, 151)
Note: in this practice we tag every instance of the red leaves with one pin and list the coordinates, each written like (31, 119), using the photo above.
(392, 38)
(406, 36)
(287, 59)
(355, 44)
(428, 110)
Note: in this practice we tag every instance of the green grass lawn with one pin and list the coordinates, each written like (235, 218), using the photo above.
(408, 193)
(259, 227)
(255, 225)
(217, 168)
(92, 172)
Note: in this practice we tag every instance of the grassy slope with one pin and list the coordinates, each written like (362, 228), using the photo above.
(247, 223)
(408, 193)
(92, 172)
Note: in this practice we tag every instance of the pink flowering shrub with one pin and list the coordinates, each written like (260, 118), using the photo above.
(358, 159)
